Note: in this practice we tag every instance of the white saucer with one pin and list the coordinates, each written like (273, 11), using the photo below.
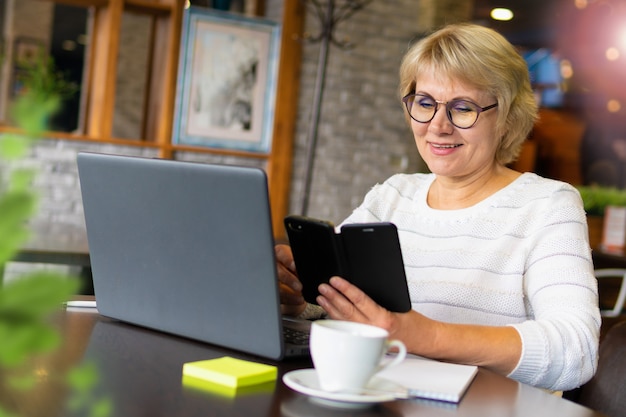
(377, 390)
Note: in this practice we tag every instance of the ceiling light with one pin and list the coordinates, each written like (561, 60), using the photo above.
(501, 14)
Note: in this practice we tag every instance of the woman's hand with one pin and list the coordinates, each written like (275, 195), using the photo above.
(344, 301)
(290, 289)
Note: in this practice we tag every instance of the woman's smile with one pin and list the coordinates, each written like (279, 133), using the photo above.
(445, 146)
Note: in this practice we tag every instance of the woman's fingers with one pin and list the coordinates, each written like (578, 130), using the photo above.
(344, 301)
(286, 268)
(289, 287)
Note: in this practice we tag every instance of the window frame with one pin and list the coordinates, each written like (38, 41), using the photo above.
(167, 16)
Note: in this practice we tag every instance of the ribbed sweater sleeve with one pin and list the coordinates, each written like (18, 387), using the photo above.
(519, 258)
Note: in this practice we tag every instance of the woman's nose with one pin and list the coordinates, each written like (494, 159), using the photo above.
(440, 122)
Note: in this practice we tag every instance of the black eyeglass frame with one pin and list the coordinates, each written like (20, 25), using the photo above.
(477, 108)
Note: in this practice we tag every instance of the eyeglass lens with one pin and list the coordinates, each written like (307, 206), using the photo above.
(462, 113)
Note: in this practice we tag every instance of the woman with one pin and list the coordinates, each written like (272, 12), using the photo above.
(498, 262)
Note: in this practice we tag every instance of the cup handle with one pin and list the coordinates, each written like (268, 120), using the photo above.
(400, 356)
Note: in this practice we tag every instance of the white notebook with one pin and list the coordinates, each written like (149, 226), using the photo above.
(425, 378)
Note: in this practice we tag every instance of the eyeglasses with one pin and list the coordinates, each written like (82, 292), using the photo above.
(461, 113)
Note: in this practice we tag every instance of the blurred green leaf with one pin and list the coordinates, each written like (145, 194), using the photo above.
(28, 303)
(22, 180)
(13, 146)
(15, 209)
(25, 304)
(36, 295)
(4, 413)
(22, 382)
(22, 339)
(17, 206)
(32, 111)
(83, 380)
(102, 407)
(84, 377)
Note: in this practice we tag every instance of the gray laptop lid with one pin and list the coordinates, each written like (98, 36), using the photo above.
(184, 248)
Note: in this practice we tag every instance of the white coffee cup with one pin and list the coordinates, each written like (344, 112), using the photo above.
(346, 355)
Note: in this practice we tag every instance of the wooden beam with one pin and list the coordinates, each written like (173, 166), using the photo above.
(169, 32)
(104, 47)
(81, 3)
(279, 165)
(259, 7)
(149, 7)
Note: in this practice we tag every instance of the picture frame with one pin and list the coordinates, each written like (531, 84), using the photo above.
(228, 71)
(27, 52)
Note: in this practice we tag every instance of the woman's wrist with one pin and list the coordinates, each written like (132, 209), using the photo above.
(311, 312)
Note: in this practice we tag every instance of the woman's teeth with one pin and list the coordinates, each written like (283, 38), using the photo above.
(445, 146)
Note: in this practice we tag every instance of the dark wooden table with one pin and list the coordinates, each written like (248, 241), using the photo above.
(140, 372)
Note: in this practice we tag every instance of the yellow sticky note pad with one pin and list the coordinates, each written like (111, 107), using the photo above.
(230, 372)
(196, 384)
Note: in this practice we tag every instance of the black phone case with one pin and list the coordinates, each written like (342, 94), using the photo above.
(368, 255)
(375, 265)
(316, 252)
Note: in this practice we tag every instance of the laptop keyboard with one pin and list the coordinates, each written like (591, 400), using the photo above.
(295, 336)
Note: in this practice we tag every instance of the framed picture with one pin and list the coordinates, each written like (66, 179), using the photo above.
(27, 52)
(226, 81)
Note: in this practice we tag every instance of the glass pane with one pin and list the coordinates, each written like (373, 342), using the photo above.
(133, 71)
(38, 30)
(67, 48)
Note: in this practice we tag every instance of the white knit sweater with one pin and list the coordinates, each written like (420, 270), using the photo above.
(521, 258)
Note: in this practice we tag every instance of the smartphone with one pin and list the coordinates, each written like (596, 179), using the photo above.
(366, 254)
(316, 252)
(375, 264)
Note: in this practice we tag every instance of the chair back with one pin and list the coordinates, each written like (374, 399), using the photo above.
(606, 391)
(617, 308)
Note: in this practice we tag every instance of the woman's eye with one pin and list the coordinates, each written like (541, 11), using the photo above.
(426, 104)
(462, 107)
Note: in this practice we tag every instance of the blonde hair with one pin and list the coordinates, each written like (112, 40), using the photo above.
(479, 57)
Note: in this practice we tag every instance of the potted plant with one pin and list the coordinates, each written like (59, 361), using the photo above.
(596, 199)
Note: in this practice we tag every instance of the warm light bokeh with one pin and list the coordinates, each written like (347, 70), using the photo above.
(501, 14)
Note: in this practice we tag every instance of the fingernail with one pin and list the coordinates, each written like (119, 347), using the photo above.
(321, 301)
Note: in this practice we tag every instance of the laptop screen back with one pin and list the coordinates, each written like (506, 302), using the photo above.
(184, 248)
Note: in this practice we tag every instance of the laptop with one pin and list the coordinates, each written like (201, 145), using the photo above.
(186, 248)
